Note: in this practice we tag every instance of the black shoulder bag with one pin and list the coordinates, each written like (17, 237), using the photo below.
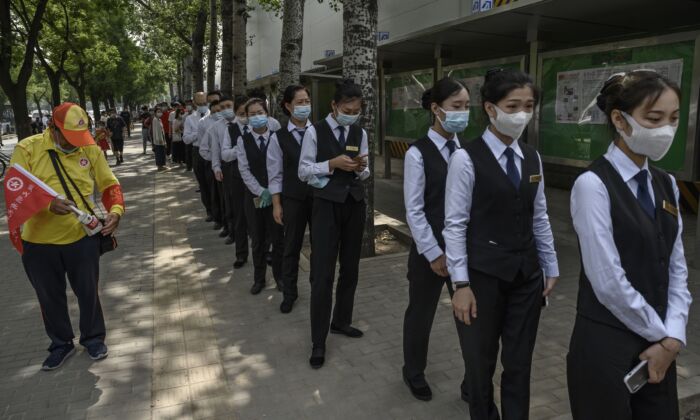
(108, 242)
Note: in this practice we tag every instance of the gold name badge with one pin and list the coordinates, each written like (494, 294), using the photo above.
(352, 148)
(670, 208)
(535, 178)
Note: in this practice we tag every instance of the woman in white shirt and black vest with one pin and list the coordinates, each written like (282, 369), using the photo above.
(252, 163)
(425, 172)
(633, 295)
(334, 161)
(499, 246)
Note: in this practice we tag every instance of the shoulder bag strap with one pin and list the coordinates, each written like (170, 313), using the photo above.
(58, 166)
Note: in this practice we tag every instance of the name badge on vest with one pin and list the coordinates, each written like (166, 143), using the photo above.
(352, 149)
(670, 208)
(535, 178)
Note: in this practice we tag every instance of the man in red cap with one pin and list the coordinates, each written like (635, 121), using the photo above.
(55, 244)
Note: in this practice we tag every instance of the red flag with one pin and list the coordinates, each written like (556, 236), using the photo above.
(25, 195)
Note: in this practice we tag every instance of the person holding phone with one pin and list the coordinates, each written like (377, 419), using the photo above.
(252, 164)
(334, 161)
(425, 172)
(499, 246)
(633, 294)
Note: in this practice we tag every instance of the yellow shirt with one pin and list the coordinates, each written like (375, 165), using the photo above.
(86, 166)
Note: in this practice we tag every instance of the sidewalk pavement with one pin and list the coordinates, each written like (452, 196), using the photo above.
(187, 340)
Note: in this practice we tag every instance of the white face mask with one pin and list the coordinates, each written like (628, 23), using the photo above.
(650, 142)
(511, 125)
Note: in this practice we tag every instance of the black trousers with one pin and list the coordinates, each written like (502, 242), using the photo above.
(215, 193)
(599, 358)
(47, 267)
(168, 144)
(509, 311)
(261, 226)
(178, 152)
(424, 290)
(234, 196)
(200, 169)
(337, 231)
(188, 156)
(296, 216)
(118, 144)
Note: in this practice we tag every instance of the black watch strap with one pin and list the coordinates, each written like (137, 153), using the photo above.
(461, 284)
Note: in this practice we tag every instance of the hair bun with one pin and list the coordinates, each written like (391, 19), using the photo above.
(427, 99)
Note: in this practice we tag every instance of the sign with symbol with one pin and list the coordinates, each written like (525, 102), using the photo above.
(14, 184)
(382, 36)
(485, 5)
(329, 53)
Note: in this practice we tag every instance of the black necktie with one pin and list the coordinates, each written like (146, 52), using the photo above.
(245, 129)
(511, 169)
(301, 132)
(643, 193)
(451, 146)
(341, 138)
(263, 146)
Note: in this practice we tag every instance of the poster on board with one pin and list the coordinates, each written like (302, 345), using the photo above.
(577, 89)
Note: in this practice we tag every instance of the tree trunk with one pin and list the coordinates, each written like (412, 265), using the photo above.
(180, 96)
(187, 76)
(37, 101)
(55, 83)
(16, 91)
(213, 43)
(18, 101)
(198, 46)
(171, 90)
(290, 54)
(82, 99)
(95, 100)
(227, 47)
(110, 101)
(240, 45)
(360, 64)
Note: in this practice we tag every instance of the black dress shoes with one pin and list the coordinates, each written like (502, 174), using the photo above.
(419, 388)
(229, 240)
(257, 288)
(318, 357)
(239, 263)
(223, 233)
(286, 305)
(347, 331)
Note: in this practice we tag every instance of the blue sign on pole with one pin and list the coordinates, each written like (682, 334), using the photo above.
(329, 53)
(486, 5)
(382, 36)
(476, 6)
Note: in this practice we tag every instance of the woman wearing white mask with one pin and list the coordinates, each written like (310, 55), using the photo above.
(425, 172)
(252, 163)
(334, 161)
(292, 199)
(633, 294)
(499, 246)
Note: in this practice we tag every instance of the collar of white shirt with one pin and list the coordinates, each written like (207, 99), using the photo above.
(498, 147)
(334, 125)
(256, 136)
(439, 141)
(623, 164)
(291, 127)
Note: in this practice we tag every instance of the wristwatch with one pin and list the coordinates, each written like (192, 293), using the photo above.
(461, 284)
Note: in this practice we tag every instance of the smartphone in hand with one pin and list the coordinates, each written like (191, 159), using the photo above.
(637, 377)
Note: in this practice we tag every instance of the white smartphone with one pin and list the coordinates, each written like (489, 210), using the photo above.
(637, 377)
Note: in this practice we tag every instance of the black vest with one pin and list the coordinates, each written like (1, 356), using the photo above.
(644, 245)
(232, 167)
(435, 169)
(292, 186)
(341, 182)
(500, 240)
(257, 160)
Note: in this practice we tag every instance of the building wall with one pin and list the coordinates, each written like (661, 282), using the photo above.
(323, 29)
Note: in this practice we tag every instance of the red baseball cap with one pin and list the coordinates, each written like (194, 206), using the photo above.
(72, 120)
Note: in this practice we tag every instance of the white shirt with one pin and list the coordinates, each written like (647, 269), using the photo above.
(275, 158)
(248, 179)
(229, 151)
(308, 167)
(590, 210)
(273, 124)
(171, 119)
(413, 196)
(203, 141)
(189, 134)
(458, 203)
(214, 137)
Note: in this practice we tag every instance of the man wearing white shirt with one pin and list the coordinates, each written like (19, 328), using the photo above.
(214, 137)
(205, 162)
(191, 137)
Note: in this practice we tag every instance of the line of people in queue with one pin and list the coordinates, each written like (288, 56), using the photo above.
(489, 240)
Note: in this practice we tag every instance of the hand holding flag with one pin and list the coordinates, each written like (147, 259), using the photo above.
(25, 195)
